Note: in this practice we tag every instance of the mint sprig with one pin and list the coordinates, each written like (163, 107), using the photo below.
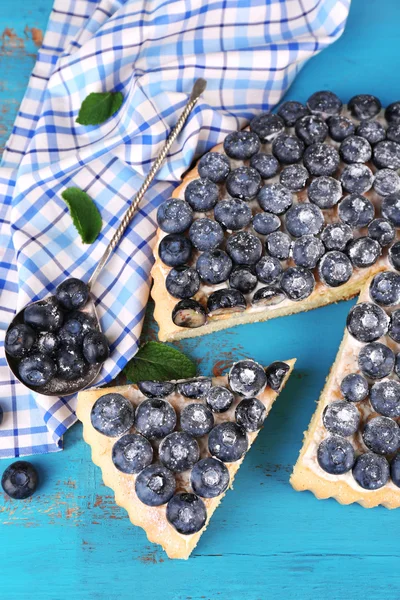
(98, 107)
(84, 213)
(159, 362)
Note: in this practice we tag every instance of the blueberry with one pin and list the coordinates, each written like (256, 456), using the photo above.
(392, 113)
(233, 214)
(206, 234)
(243, 183)
(214, 266)
(155, 418)
(226, 301)
(386, 155)
(307, 250)
(355, 149)
(155, 485)
(371, 471)
(385, 398)
(267, 126)
(276, 373)
(290, 111)
(304, 219)
(386, 182)
(372, 131)
(340, 128)
(385, 288)
(219, 399)
(201, 195)
(382, 231)
(335, 236)
(336, 455)
(288, 149)
(250, 414)
(112, 415)
(186, 513)
(294, 177)
(179, 451)
(393, 132)
(48, 343)
(275, 198)
(227, 442)
(394, 327)
(244, 248)
(325, 192)
(243, 278)
(357, 211)
(341, 418)
(195, 388)
(132, 453)
(70, 364)
(19, 340)
(72, 294)
(19, 480)
(335, 268)
(279, 245)
(36, 369)
(395, 470)
(209, 478)
(156, 389)
(189, 314)
(197, 419)
(269, 295)
(376, 361)
(75, 328)
(265, 164)
(174, 216)
(364, 252)
(367, 322)
(214, 166)
(45, 315)
(247, 378)
(382, 435)
(354, 387)
(394, 256)
(297, 283)
(182, 282)
(265, 223)
(311, 129)
(268, 269)
(175, 250)
(324, 103)
(95, 348)
(356, 179)
(321, 159)
(391, 208)
(241, 145)
(364, 106)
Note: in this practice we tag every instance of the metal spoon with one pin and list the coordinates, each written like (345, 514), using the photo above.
(59, 387)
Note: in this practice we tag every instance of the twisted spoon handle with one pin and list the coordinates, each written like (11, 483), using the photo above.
(198, 89)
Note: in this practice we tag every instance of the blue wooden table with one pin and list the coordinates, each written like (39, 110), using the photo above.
(265, 541)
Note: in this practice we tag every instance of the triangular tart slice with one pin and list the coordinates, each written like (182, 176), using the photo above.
(351, 449)
(171, 485)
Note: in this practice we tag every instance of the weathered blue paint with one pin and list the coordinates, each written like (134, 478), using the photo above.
(265, 541)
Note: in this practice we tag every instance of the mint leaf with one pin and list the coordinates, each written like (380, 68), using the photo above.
(98, 107)
(159, 362)
(84, 213)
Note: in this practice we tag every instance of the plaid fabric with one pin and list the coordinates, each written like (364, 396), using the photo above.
(249, 52)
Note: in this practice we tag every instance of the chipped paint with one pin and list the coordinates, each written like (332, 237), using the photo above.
(35, 34)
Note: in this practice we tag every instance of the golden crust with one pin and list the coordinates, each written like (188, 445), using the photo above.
(151, 519)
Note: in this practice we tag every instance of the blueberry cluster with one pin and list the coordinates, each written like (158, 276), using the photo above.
(295, 212)
(56, 340)
(156, 444)
(376, 325)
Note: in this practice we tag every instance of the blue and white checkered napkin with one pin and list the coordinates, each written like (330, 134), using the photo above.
(151, 50)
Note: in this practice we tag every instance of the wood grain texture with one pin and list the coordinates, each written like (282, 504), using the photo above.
(265, 542)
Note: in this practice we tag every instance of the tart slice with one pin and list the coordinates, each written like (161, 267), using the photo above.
(351, 449)
(170, 450)
(296, 212)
